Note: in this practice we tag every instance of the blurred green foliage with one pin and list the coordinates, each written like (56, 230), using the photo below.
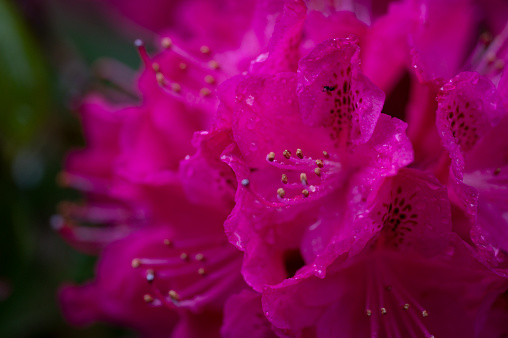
(46, 58)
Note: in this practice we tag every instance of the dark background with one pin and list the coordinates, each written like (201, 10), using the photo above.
(49, 52)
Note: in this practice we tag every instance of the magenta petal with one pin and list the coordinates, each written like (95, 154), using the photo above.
(267, 119)
(333, 93)
(243, 317)
(468, 106)
(282, 55)
(205, 178)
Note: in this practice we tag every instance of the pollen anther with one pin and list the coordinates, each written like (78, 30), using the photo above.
(136, 262)
(201, 271)
(325, 154)
(150, 275)
(406, 306)
(166, 43)
(299, 153)
(204, 49)
(368, 312)
(284, 179)
(209, 79)
(176, 87)
(245, 182)
(383, 311)
(317, 171)
(199, 257)
(287, 154)
(213, 64)
(281, 192)
(183, 66)
(174, 295)
(204, 92)
(425, 313)
(167, 242)
(319, 163)
(305, 193)
(156, 67)
(271, 156)
(303, 178)
(184, 256)
(147, 298)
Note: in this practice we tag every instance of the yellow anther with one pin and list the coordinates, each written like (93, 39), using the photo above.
(425, 313)
(199, 257)
(204, 49)
(183, 66)
(284, 179)
(136, 262)
(305, 193)
(299, 153)
(319, 163)
(213, 64)
(317, 171)
(383, 311)
(156, 67)
(406, 306)
(281, 192)
(174, 295)
(150, 275)
(147, 298)
(168, 242)
(184, 256)
(303, 178)
(325, 154)
(176, 87)
(286, 153)
(204, 92)
(201, 271)
(166, 43)
(209, 79)
(160, 78)
(368, 312)
(271, 156)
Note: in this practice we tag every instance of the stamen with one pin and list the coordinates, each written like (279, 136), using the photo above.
(287, 154)
(271, 156)
(284, 179)
(317, 171)
(199, 257)
(299, 153)
(204, 49)
(183, 66)
(168, 242)
(204, 92)
(425, 313)
(148, 298)
(142, 52)
(305, 193)
(156, 67)
(406, 306)
(368, 312)
(383, 311)
(325, 154)
(150, 275)
(166, 43)
(184, 256)
(303, 178)
(160, 78)
(214, 64)
(319, 163)
(136, 262)
(176, 87)
(174, 295)
(201, 271)
(281, 192)
(245, 182)
(209, 79)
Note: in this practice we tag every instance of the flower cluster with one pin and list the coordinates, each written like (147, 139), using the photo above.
(263, 187)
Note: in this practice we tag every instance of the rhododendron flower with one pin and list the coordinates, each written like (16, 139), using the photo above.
(261, 187)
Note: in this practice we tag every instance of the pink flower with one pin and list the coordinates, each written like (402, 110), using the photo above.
(267, 132)
(339, 147)
(403, 274)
